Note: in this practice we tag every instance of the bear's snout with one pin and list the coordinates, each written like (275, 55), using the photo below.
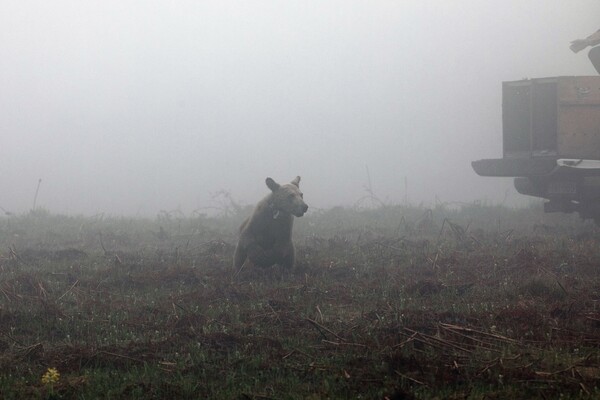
(302, 210)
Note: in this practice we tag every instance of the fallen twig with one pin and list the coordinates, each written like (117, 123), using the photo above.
(71, 288)
(411, 379)
(343, 343)
(321, 328)
(465, 329)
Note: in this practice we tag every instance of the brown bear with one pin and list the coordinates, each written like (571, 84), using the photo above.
(266, 236)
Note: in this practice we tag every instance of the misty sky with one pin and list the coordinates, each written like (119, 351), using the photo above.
(130, 107)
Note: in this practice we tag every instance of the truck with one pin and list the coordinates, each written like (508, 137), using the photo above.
(551, 142)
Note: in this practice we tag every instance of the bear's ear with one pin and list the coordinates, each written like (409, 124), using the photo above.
(296, 182)
(271, 184)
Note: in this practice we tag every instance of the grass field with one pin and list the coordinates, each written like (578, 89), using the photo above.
(474, 302)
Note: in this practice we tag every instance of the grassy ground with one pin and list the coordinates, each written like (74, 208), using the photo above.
(399, 302)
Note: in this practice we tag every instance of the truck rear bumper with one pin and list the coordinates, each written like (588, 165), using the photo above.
(513, 167)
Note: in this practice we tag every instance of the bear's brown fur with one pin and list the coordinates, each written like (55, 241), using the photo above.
(266, 236)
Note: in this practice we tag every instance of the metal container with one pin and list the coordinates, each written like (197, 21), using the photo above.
(552, 117)
(551, 142)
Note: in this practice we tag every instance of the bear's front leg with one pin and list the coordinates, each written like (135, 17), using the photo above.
(239, 256)
(289, 257)
(260, 256)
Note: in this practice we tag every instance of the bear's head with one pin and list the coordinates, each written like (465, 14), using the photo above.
(287, 198)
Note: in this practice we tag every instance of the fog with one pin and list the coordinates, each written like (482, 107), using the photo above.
(129, 107)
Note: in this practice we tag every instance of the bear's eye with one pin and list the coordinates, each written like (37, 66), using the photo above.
(290, 196)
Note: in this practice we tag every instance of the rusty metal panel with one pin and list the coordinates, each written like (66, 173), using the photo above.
(556, 116)
(579, 90)
(579, 117)
(579, 131)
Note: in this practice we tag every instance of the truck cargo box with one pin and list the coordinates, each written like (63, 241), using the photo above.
(552, 117)
(551, 137)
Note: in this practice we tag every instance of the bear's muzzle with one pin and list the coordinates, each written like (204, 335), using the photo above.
(302, 211)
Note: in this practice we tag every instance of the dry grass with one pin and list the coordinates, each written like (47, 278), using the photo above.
(424, 305)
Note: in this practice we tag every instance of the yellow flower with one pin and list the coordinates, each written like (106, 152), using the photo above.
(50, 377)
